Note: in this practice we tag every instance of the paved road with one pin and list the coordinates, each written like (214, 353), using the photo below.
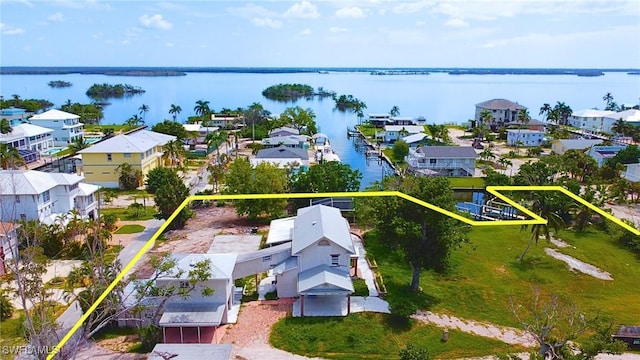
(200, 181)
(129, 252)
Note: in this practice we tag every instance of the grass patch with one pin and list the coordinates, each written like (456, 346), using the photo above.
(368, 130)
(11, 331)
(273, 295)
(130, 229)
(360, 288)
(374, 336)
(466, 182)
(486, 274)
(101, 128)
(130, 214)
(112, 252)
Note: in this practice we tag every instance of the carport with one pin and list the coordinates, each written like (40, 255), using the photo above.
(184, 322)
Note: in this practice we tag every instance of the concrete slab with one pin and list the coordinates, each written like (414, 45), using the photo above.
(235, 243)
(321, 306)
(369, 303)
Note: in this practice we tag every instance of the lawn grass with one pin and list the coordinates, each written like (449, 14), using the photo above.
(11, 332)
(130, 214)
(360, 288)
(466, 182)
(375, 336)
(486, 274)
(102, 127)
(112, 252)
(368, 130)
(130, 229)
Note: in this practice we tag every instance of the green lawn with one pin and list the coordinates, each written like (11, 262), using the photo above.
(368, 130)
(375, 336)
(11, 332)
(360, 288)
(486, 274)
(100, 128)
(130, 229)
(130, 214)
(466, 182)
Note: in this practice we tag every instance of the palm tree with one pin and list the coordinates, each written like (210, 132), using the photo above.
(133, 120)
(202, 109)
(564, 111)
(485, 119)
(395, 111)
(144, 109)
(622, 127)
(545, 110)
(174, 111)
(10, 158)
(504, 162)
(608, 98)
(216, 139)
(487, 154)
(174, 152)
(545, 204)
(78, 144)
(5, 126)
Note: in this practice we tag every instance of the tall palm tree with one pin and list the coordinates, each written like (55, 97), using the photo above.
(608, 98)
(174, 152)
(174, 111)
(216, 139)
(622, 127)
(564, 111)
(144, 109)
(10, 158)
(5, 126)
(504, 162)
(134, 120)
(545, 109)
(545, 204)
(395, 111)
(202, 109)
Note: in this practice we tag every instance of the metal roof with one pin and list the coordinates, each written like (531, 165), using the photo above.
(137, 142)
(54, 114)
(191, 352)
(500, 104)
(411, 129)
(448, 152)
(221, 264)
(324, 279)
(286, 129)
(283, 152)
(31, 182)
(318, 222)
(280, 230)
(289, 264)
(189, 313)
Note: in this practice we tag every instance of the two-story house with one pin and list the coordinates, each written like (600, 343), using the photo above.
(392, 133)
(293, 141)
(443, 160)
(142, 150)
(501, 110)
(36, 195)
(601, 153)
(283, 131)
(66, 126)
(28, 137)
(525, 137)
(227, 121)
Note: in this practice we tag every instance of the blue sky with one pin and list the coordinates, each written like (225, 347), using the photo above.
(368, 33)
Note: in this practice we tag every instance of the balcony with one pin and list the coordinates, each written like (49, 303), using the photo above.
(414, 162)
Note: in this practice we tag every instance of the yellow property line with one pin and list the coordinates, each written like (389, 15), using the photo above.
(535, 219)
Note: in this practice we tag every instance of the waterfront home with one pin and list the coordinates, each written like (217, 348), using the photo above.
(442, 160)
(602, 153)
(380, 120)
(632, 173)
(227, 121)
(292, 141)
(416, 140)
(8, 244)
(593, 120)
(15, 116)
(396, 120)
(66, 126)
(141, 149)
(283, 131)
(392, 133)
(283, 156)
(36, 195)
(560, 146)
(525, 137)
(28, 137)
(502, 110)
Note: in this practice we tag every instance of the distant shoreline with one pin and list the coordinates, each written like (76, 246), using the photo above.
(183, 71)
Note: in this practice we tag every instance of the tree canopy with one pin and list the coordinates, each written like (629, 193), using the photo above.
(170, 192)
(171, 128)
(285, 92)
(329, 176)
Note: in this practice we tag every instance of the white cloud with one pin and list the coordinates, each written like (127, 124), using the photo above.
(335, 29)
(251, 11)
(305, 32)
(350, 12)
(456, 23)
(266, 22)
(10, 30)
(303, 10)
(155, 21)
(410, 7)
(56, 17)
(89, 4)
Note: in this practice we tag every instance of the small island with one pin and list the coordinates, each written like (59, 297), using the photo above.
(292, 92)
(105, 91)
(59, 84)
(348, 102)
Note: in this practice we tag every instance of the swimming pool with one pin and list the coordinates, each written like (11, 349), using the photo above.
(51, 151)
(92, 139)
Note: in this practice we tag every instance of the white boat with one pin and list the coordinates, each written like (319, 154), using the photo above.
(326, 154)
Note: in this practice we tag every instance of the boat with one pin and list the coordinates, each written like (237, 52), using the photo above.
(326, 154)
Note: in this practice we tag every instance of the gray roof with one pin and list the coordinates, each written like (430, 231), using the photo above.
(32, 182)
(272, 250)
(318, 222)
(192, 314)
(283, 152)
(500, 104)
(324, 279)
(280, 230)
(285, 140)
(448, 152)
(221, 264)
(192, 351)
(289, 264)
(285, 129)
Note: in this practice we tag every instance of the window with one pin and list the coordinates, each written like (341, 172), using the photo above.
(127, 155)
(432, 161)
(335, 260)
(324, 242)
(266, 258)
(184, 284)
(17, 199)
(46, 196)
(109, 157)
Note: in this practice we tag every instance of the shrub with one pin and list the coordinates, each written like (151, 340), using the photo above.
(6, 308)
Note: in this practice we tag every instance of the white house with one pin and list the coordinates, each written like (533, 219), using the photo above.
(416, 140)
(594, 120)
(283, 131)
(66, 126)
(293, 141)
(16, 116)
(602, 153)
(443, 160)
(28, 137)
(380, 120)
(560, 146)
(502, 110)
(36, 195)
(282, 157)
(392, 133)
(525, 136)
(632, 173)
(8, 243)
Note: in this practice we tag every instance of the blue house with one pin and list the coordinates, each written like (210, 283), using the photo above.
(602, 153)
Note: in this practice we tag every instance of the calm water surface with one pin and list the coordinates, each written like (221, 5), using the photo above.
(440, 98)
